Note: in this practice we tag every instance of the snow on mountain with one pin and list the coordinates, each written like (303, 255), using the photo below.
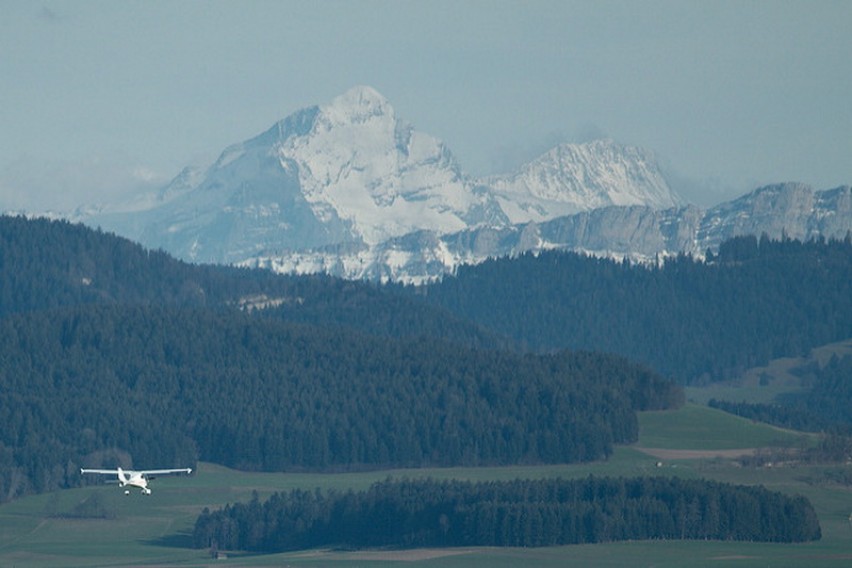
(637, 232)
(346, 172)
(579, 177)
(350, 189)
(360, 161)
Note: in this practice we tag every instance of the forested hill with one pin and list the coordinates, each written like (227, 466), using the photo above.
(114, 355)
(47, 264)
(162, 387)
(693, 321)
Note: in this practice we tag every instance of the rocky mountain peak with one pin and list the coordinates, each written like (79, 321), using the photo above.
(571, 178)
(357, 105)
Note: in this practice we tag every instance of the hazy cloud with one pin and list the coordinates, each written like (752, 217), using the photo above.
(589, 132)
(507, 157)
(47, 14)
(62, 186)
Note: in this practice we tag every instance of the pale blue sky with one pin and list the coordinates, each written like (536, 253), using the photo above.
(99, 98)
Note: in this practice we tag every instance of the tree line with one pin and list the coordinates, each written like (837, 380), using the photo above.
(549, 512)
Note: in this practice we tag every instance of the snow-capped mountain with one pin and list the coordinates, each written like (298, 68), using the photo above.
(350, 175)
(349, 172)
(350, 189)
(579, 177)
(360, 163)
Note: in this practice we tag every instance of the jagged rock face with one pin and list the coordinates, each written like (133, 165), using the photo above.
(772, 210)
(832, 213)
(251, 204)
(636, 231)
(793, 210)
(579, 177)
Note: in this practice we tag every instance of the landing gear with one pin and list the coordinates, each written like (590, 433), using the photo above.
(127, 491)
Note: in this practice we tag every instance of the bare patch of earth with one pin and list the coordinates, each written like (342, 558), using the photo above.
(413, 555)
(665, 454)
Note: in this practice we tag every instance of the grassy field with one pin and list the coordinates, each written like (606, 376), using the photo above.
(153, 530)
(696, 427)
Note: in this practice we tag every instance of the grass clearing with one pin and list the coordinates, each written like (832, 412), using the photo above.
(695, 427)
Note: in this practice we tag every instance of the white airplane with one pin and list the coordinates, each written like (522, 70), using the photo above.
(139, 478)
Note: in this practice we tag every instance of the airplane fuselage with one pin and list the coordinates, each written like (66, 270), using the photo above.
(135, 479)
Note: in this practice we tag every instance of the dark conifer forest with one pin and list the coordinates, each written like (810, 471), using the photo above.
(48, 264)
(546, 512)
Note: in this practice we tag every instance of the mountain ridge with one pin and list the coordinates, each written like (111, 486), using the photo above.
(352, 174)
(637, 233)
(350, 189)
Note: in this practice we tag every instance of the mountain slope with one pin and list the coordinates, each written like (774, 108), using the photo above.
(793, 210)
(361, 163)
(346, 173)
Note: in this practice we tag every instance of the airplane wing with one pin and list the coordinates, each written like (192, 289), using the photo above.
(153, 472)
(144, 472)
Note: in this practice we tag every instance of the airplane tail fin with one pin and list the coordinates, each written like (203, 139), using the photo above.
(123, 478)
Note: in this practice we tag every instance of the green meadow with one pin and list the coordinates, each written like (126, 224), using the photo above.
(58, 530)
(696, 427)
